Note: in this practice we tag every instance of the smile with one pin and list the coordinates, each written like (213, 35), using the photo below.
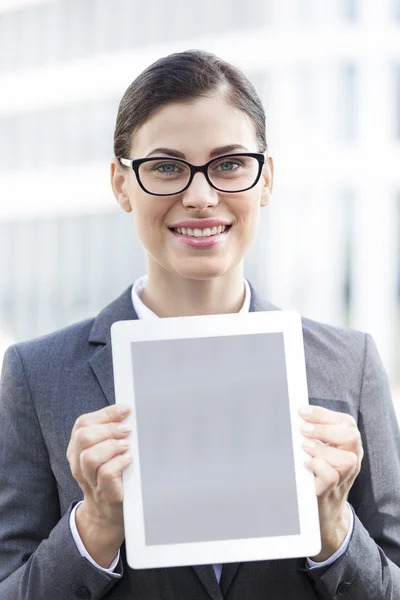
(200, 232)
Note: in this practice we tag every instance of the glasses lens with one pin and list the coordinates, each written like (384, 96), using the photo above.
(164, 176)
(233, 173)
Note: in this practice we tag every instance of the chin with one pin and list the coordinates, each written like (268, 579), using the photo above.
(203, 270)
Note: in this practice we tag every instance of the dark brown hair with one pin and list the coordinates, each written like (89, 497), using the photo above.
(181, 77)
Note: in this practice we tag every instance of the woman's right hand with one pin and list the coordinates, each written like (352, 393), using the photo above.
(97, 454)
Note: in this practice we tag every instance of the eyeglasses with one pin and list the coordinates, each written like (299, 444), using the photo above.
(166, 176)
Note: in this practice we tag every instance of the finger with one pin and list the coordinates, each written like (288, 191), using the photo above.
(93, 458)
(109, 478)
(108, 414)
(343, 461)
(326, 477)
(348, 438)
(319, 414)
(114, 413)
(85, 437)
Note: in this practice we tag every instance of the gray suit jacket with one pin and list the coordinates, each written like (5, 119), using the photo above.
(48, 382)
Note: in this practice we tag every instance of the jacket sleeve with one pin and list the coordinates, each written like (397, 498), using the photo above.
(38, 556)
(370, 569)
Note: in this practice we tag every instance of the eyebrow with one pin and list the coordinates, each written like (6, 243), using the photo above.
(216, 152)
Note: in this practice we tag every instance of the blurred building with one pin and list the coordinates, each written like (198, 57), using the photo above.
(329, 75)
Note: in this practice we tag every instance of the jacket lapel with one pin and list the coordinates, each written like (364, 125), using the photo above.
(229, 571)
(207, 576)
(100, 337)
(101, 363)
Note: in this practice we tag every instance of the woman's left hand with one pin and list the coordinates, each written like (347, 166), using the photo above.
(333, 443)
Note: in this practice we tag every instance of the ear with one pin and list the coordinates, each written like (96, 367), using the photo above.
(119, 182)
(267, 177)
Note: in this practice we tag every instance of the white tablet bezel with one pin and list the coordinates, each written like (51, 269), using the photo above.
(308, 541)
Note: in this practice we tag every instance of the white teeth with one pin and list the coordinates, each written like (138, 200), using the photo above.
(200, 232)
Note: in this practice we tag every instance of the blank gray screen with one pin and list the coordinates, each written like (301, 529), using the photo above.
(215, 445)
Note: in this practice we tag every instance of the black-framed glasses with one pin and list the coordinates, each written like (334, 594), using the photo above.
(167, 176)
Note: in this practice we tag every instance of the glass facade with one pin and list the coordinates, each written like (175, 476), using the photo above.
(55, 271)
(74, 134)
(72, 29)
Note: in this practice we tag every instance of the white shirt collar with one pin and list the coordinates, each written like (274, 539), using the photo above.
(143, 312)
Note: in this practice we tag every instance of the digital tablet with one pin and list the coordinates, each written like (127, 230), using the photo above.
(217, 472)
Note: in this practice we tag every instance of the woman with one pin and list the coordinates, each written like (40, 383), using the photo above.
(63, 442)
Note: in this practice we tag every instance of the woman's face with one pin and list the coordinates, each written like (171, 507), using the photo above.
(196, 130)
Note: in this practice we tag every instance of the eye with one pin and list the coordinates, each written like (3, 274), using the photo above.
(229, 165)
(167, 168)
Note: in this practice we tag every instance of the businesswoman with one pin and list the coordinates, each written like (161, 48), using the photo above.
(191, 166)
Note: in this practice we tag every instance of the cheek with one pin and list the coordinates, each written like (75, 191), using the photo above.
(148, 229)
(248, 214)
(150, 217)
(148, 214)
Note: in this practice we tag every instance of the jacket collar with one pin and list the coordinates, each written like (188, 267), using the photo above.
(122, 309)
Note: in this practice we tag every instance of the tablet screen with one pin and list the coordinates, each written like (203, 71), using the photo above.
(214, 438)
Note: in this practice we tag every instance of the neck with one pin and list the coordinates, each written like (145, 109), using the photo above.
(169, 295)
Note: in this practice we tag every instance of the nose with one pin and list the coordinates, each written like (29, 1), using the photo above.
(200, 194)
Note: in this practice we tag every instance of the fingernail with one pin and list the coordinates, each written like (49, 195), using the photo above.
(123, 409)
(124, 428)
(307, 427)
(124, 443)
(305, 410)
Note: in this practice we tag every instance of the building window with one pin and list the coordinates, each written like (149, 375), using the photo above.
(304, 10)
(397, 102)
(348, 200)
(349, 10)
(396, 9)
(347, 98)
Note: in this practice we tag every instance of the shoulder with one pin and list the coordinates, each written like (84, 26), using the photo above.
(74, 344)
(67, 337)
(320, 339)
(78, 339)
(67, 343)
(48, 367)
(332, 341)
(335, 360)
